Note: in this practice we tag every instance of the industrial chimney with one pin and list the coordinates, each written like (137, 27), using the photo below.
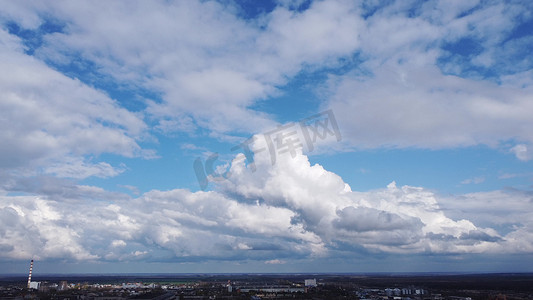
(29, 276)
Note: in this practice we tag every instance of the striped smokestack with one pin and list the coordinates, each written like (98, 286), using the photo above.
(29, 276)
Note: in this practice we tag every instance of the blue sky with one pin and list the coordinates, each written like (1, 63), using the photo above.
(425, 164)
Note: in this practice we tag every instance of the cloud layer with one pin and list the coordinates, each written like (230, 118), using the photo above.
(427, 76)
(81, 82)
(289, 210)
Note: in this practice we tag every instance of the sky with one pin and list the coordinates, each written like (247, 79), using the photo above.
(266, 136)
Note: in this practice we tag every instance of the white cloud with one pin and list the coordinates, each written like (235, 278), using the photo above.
(275, 262)
(522, 152)
(79, 169)
(206, 62)
(417, 105)
(118, 243)
(209, 67)
(475, 180)
(406, 219)
(133, 189)
(326, 30)
(22, 13)
(51, 121)
(30, 228)
(289, 210)
(514, 175)
(408, 101)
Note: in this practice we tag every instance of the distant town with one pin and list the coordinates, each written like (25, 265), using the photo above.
(268, 286)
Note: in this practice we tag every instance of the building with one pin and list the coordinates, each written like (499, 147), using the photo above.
(310, 282)
(35, 285)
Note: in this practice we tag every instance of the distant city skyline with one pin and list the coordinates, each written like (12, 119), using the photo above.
(240, 136)
(275, 286)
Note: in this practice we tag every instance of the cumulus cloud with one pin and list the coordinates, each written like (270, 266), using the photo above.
(276, 213)
(31, 228)
(392, 219)
(370, 219)
(176, 225)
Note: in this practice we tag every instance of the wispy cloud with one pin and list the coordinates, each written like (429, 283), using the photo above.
(275, 262)
(474, 180)
(514, 175)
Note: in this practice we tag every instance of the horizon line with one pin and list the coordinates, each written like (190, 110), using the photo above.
(427, 273)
